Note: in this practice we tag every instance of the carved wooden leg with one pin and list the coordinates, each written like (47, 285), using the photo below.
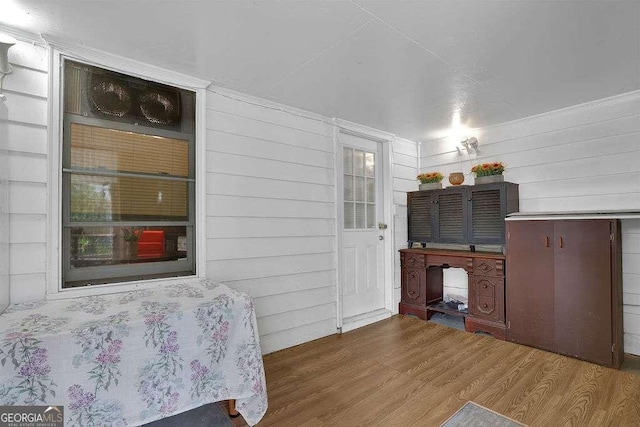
(232, 409)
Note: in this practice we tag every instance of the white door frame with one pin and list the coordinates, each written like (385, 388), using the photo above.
(345, 127)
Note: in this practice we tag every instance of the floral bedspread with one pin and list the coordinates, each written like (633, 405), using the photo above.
(134, 357)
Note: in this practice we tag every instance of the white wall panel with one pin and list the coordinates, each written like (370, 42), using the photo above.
(224, 184)
(28, 228)
(405, 170)
(27, 109)
(247, 227)
(236, 164)
(238, 125)
(4, 210)
(582, 158)
(271, 212)
(26, 139)
(267, 286)
(267, 208)
(296, 318)
(28, 198)
(233, 248)
(237, 269)
(294, 336)
(28, 287)
(271, 215)
(28, 81)
(236, 144)
(279, 115)
(27, 167)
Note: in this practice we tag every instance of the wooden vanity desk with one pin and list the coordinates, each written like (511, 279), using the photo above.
(422, 286)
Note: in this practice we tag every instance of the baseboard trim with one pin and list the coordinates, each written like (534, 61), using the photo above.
(355, 322)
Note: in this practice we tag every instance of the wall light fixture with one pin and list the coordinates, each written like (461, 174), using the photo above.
(468, 144)
(5, 68)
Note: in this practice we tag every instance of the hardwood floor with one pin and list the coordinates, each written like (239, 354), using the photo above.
(403, 371)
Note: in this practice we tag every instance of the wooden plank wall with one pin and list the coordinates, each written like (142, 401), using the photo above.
(26, 128)
(270, 204)
(405, 167)
(4, 209)
(271, 213)
(270, 216)
(586, 157)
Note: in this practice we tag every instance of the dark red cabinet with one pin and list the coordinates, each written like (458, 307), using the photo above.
(563, 287)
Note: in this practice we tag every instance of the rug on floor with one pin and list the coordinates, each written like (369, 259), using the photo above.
(473, 415)
(210, 415)
(449, 320)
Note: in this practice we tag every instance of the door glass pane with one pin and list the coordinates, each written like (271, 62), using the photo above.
(358, 163)
(360, 215)
(347, 156)
(348, 215)
(359, 185)
(359, 189)
(348, 188)
(371, 190)
(370, 165)
(371, 215)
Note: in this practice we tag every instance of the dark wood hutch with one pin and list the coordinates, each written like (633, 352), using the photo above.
(558, 287)
(459, 215)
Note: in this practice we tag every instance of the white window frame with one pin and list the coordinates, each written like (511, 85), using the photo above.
(59, 49)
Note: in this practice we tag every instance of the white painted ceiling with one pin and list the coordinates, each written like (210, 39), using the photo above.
(399, 66)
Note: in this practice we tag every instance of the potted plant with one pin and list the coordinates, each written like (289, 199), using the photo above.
(430, 180)
(130, 238)
(488, 172)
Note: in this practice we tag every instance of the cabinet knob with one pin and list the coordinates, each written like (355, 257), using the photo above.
(484, 286)
(484, 305)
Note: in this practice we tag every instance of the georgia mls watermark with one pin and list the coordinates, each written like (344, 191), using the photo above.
(31, 416)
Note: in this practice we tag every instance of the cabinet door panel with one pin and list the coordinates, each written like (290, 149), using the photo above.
(414, 288)
(486, 298)
(450, 213)
(583, 289)
(419, 204)
(486, 214)
(529, 283)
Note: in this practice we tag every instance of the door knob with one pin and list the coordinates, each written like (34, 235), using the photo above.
(380, 237)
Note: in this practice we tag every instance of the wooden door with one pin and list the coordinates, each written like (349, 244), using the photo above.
(583, 289)
(362, 283)
(530, 283)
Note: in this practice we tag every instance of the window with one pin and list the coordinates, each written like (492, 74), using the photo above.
(359, 169)
(128, 178)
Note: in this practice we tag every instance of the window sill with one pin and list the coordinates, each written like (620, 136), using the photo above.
(114, 288)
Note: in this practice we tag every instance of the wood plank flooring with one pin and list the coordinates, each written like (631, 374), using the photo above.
(406, 372)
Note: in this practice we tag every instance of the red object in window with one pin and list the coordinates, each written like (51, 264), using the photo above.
(151, 244)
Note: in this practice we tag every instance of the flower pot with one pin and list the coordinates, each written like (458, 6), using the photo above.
(131, 250)
(489, 179)
(430, 186)
(456, 178)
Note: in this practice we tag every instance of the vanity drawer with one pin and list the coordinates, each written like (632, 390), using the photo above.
(483, 286)
(413, 261)
(488, 267)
